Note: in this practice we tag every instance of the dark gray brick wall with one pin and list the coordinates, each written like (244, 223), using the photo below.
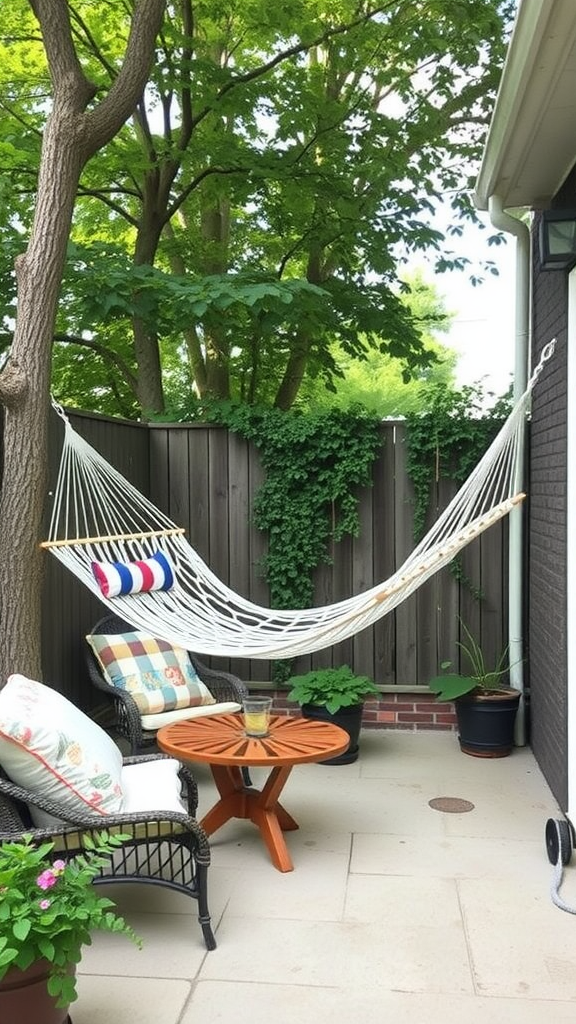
(547, 660)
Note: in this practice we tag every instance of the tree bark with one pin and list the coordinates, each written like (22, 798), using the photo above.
(215, 229)
(150, 391)
(298, 358)
(294, 373)
(73, 134)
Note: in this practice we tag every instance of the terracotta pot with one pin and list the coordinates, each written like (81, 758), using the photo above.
(24, 998)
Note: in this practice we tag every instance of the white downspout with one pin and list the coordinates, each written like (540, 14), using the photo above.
(504, 222)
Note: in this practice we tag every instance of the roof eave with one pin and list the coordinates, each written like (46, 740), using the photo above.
(542, 34)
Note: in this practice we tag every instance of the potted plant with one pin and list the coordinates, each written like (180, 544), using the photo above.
(335, 695)
(485, 706)
(48, 909)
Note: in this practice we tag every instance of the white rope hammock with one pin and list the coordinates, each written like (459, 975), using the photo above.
(99, 516)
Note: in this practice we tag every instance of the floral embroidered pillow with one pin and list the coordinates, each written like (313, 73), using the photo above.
(53, 749)
(159, 676)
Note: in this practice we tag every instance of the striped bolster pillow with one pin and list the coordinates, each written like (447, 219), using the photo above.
(116, 579)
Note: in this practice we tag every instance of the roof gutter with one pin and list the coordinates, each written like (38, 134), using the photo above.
(511, 225)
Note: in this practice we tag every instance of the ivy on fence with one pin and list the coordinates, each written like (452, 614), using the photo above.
(314, 464)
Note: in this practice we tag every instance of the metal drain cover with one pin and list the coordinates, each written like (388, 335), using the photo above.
(450, 804)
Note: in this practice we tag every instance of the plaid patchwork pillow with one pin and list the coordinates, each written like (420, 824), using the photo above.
(159, 677)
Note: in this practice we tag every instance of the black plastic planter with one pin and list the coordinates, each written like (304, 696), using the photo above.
(486, 722)
(349, 719)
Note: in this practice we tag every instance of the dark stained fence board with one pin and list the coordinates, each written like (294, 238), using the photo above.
(363, 579)
(384, 551)
(260, 670)
(179, 477)
(492, 613)
(448, 596)
(219, 519)
(469, 586)
(198, 525)
(406, 613)
(160, 478)
(239, 546)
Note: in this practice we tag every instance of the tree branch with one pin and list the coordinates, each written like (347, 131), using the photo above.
(119, 104)
(292, 51)
(107, 354)
(70, 85)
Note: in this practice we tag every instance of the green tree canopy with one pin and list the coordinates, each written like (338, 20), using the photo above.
(248, 218)
(378, 382)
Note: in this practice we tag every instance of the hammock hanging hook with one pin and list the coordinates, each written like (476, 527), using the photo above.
(58, 409)
(545, 355)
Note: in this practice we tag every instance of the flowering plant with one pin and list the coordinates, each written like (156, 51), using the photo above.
(48, 908)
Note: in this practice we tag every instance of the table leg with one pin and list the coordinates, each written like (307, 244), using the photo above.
(260, 806)
(271, 818)
(228, 779)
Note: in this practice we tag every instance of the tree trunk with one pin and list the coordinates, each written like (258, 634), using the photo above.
(191, 337)
(298, 359)
(215, 228)
(150, 392)
(146, 347)
(294, 372)
(72, 135)
(25, 393)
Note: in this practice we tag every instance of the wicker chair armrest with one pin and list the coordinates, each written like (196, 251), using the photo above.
(131, 820)
(25, 796)
(222, 685)
(97, 678)
(11, 791)
(120, 823)
(13, 827)
(142, 758)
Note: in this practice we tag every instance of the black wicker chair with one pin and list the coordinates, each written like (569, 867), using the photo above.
(127, 721)
(165, 848)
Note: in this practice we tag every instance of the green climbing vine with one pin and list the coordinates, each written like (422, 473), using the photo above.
(314, 464)
(448, 439)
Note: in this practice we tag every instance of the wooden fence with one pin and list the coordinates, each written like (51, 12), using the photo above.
(205, 478)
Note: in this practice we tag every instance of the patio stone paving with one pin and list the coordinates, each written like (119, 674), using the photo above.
(394, 911)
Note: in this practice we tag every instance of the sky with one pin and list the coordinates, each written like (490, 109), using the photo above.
(483, 329)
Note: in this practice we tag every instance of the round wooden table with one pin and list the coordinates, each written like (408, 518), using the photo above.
(220, 742)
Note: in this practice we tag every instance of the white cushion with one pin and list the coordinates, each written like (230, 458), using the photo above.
(152, 786)
(154, 722)
(53, 749)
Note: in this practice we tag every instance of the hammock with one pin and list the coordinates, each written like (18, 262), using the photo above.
(98, 516)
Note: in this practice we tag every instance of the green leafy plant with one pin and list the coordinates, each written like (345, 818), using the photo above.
(49, 907)
(334, 688)
(483, 679)
(448, 440)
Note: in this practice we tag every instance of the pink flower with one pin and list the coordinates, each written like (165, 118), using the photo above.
(44, 904)
(58, 866)
(46, 880)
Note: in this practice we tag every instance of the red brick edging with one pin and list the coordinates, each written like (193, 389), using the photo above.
(412, 711)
